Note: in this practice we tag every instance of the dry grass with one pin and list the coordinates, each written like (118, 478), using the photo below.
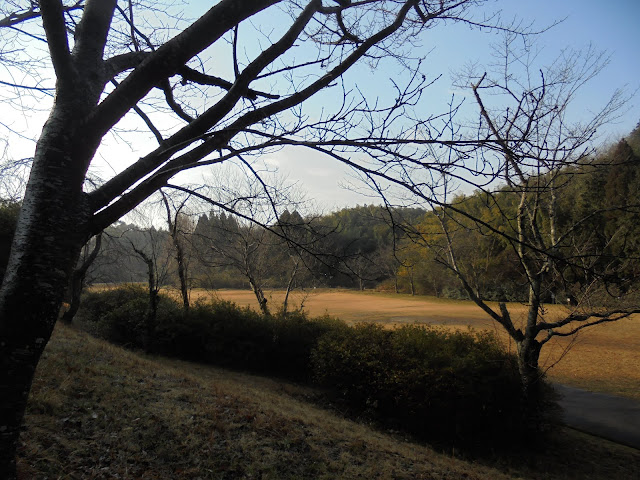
(99, 412)
(605, 358)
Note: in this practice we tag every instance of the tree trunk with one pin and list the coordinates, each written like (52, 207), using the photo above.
(529, 355)
(262, 300)
(530, 379)
(285, 303)
(172, 222)
(77, 282)
(152, 310)
(182, 273)
(52, 228)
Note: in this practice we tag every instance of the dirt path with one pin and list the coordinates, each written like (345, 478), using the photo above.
(607, 416)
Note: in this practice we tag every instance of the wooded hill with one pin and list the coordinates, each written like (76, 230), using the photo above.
(398, 249)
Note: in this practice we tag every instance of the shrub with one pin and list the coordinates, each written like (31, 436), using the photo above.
(294, 338)
(216, 332)
(120, 315)
(451, 386)
(458, 387)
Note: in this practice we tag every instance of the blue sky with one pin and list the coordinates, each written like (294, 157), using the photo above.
(612, 26)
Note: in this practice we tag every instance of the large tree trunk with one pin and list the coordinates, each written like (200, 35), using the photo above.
(52, 228)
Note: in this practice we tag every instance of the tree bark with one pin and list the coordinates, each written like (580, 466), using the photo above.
(530, 379)
(51, 230)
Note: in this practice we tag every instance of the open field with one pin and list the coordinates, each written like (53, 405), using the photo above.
(605, 358)
(98, 411)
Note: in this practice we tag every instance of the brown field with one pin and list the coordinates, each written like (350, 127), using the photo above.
(605, 358)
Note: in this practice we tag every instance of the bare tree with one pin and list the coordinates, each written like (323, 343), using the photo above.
(244, 247)
(110, 61)
(536, 151)
(178, 224)
(154, 253)
(252, 241)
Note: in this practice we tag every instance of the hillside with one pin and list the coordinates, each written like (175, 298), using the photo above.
(97, 411)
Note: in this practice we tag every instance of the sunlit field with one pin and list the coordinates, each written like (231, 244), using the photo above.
(605, 358)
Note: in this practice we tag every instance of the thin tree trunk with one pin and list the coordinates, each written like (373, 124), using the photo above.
(182, 273)
(259, 293)
(77, 282)
(180, 257)
(152, 311)
(285, 303)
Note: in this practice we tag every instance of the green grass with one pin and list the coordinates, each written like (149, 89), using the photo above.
(100, 412)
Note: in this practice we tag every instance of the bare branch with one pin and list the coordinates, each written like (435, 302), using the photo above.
(32, 13)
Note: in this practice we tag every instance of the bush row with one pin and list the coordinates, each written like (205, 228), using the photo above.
(216, 331)
(457, 387)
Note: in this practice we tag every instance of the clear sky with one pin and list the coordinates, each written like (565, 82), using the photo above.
(610, 25)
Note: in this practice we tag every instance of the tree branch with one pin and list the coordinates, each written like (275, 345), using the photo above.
(166, 60)
(17, 18)
(610, 316)
(191, 75)
(53, 21)
(120, 63)
(91, 33)
(199, 126)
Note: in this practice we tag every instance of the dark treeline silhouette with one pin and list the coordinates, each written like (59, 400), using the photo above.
(371, 247)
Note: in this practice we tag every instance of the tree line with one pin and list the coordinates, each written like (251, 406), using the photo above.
(397, 250)
(371, 247)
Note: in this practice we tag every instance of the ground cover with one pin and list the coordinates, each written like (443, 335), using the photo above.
(97, 411)
(605, 358)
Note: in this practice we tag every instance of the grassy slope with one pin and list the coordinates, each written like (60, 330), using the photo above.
(97, 411)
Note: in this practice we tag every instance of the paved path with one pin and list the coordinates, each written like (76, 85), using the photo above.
(608, 416)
